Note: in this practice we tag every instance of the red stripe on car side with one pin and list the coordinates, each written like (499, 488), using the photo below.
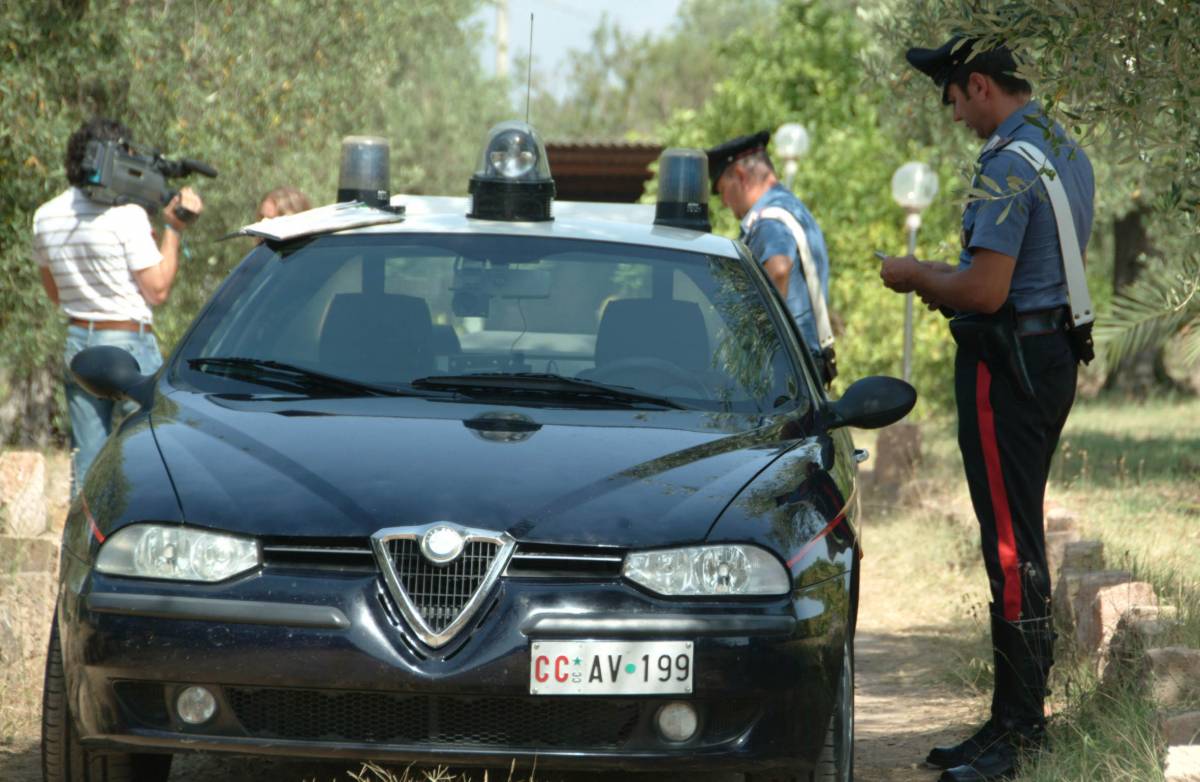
(91, 520)
(838, 519)
(1006, 542)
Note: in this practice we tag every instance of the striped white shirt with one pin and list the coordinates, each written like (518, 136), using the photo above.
(92, 251)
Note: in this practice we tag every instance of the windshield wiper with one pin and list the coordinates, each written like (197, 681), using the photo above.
(544, 384)
(281, 375)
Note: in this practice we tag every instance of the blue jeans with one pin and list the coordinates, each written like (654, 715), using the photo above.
(92, 418)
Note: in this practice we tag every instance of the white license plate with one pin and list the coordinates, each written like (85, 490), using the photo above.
(610, 667)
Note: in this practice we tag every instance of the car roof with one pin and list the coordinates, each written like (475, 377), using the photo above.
(601, 222)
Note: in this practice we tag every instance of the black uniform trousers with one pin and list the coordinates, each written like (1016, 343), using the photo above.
(1007, 441)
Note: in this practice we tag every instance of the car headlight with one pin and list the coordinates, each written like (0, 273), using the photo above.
(179, 553)
(708, 570)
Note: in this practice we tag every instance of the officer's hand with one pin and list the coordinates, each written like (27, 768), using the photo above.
(929, 302)
(900, 274)
(188, 200)
(939, 267)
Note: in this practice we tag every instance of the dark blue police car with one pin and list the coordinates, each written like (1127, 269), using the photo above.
(471, 480)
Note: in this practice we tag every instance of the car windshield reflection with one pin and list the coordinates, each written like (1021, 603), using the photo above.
(680, 329)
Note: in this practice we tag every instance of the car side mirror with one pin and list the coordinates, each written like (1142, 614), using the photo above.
(112, 373)
(871, 403)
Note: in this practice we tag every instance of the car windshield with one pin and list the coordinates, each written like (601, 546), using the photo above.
(479, 316)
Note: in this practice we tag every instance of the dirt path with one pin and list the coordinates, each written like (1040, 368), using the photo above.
(903, 704)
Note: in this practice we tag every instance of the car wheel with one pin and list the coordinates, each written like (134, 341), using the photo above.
(63, 757)
(836, 762)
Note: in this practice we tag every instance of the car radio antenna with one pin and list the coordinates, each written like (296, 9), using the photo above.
(529, 69)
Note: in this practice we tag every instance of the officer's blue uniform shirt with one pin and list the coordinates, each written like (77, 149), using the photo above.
(1029, 233)
(767, 238)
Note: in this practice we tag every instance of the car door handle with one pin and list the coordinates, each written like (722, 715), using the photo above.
(861, 455)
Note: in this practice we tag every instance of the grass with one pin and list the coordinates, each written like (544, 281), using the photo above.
(1131, 474)
(371, 772)
(1099, 735)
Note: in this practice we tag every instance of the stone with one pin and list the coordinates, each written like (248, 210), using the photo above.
(29, 555)
(23, 492)
(1086, 589)
(1075, 594)
(26, 609)
(1083, 555)
(1173, 674)
(1059, 519)
(897, 451)
(1139, 629)
(924, 493)
(1145, 625)
(1108, 606)
(1177, 729)
(1056, 544)
(1183, 764)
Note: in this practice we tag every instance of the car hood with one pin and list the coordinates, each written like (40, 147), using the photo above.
(347, 468)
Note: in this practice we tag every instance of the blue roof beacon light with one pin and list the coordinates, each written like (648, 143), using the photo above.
(364, 172)
(683, 189)
(512, 181)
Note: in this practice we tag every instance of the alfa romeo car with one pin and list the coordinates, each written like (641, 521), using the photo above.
(471, 480)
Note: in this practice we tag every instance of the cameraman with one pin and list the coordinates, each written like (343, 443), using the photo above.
(100, 264)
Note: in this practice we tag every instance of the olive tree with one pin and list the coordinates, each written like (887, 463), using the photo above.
(807, 68)
(263, 91)
(1121, 76)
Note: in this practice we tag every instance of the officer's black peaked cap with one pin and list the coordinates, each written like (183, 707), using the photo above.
(720, 156)
(940, 64)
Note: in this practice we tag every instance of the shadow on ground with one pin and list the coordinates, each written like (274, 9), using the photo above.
(906, 702)
(21, 762)
(1108, 460)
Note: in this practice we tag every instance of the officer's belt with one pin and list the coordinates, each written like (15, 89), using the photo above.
(1035, 323)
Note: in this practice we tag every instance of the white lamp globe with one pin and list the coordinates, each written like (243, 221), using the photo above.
(791, 141)
(914, 185)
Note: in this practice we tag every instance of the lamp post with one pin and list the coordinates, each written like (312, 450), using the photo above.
(791, 142)
(913, 187)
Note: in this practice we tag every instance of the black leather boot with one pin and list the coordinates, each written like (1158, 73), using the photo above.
(967, 751)
(1029, 646)
(1024, 654)
(1003, 682)
(1002, 758)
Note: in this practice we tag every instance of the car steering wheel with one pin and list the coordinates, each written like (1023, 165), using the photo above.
(614, 371)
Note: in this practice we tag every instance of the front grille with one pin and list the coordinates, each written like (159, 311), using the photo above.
(574, 563)
(440, 592)
(510, 723)
(344, 556)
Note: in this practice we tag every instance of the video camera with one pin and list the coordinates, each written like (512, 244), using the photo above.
(119, 175)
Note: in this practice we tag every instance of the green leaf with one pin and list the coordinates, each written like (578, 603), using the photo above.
(988, 181)
(1004, 215)
(1162, 302)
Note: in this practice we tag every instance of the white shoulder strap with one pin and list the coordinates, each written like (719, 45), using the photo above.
(811, 277)
(1068, 240)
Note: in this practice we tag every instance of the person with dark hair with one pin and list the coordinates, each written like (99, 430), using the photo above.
(282, 201)
(100, 264)
(782, 235)
(1021, 319)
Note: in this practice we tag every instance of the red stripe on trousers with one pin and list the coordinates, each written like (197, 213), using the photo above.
(1006, 542)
